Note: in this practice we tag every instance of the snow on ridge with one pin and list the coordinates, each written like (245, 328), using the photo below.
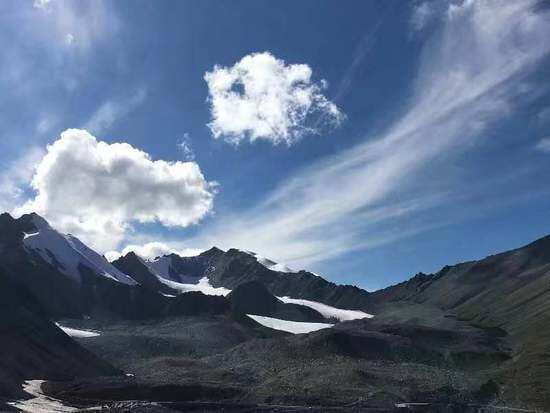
(281, 268)
(77, 333)
(99, 262)
(69, 252)
(270, 264)
(202, 286)
(328, 311)
(294, 327)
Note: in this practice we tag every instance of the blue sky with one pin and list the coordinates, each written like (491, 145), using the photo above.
(364, 140)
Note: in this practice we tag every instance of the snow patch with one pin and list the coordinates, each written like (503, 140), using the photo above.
(270, 264)
(328, 311)
(40, 403)
(294, 327)
(203, 286)
(281, 268)
(74, 332)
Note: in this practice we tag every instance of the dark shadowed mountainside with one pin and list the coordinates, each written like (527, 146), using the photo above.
(33, 347)
(87, 290)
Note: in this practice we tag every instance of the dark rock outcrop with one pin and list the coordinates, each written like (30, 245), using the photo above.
(134, 266)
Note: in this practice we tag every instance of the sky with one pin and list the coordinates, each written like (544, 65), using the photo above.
(365, 141)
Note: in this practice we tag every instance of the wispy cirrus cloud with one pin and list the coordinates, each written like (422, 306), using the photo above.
(184, 145)
(423, 12)
(77, 24)
(49, 52)
(110, 111)
(544, 145)
(466, 81)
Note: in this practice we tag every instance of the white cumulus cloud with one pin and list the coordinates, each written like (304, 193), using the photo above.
(151, 250)
(96, 190)
(261, 97)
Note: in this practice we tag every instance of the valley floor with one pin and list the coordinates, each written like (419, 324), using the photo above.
(217, 362)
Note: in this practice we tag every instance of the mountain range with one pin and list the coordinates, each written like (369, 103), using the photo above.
(235, 330)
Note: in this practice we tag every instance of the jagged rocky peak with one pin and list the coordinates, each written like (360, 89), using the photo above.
(131, 256)
(16, 228)
(251, 256)
(31, 222)
(38, 221)
(185, 269)
(212, 252)
(130, 259)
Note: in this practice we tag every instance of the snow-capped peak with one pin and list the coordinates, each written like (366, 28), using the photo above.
(270, 264)
(165, 268)
(67, 253)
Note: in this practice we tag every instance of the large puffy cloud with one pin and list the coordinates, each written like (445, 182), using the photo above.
(95, 189)
(261, 97)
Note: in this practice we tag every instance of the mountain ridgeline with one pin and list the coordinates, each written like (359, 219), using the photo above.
(234, 328)
(74, 283)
